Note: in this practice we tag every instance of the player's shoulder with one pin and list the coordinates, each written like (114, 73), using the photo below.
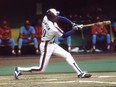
(45, 18)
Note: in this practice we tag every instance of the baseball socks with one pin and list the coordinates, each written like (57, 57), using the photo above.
(94, 48)
(37, 51)
(69, 48)
(108, 47)
(19, 52)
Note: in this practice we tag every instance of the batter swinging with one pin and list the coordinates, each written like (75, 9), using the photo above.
(50, 29)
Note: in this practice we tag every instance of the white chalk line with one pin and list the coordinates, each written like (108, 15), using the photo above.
(73, 81)
(106, 76)
(99, 82)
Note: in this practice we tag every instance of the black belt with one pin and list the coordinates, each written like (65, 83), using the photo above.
(48, 42)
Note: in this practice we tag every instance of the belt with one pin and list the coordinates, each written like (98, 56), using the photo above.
(48, 42)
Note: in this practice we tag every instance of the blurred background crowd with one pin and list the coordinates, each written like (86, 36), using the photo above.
(81, 11)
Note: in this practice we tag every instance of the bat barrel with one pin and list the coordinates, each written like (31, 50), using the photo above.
(103, 22)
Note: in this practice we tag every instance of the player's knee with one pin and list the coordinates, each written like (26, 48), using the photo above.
(68, 55)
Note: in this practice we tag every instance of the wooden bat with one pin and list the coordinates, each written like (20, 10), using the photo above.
(98, 23)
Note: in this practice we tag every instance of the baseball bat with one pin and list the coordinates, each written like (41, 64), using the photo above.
(98, 23)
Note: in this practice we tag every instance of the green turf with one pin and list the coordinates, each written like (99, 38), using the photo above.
(90, 66)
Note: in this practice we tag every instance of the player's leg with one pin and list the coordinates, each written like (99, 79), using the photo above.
(62, 53)
(56, 39)
(69, 43)
(20, 42)
(12, 43)
(94, 37)
(108, 40)
(68, 57)
(46, 52)
(101, 38)
(0, 41)
(36, 45)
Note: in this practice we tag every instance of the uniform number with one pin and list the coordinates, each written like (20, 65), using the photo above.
(44, 33)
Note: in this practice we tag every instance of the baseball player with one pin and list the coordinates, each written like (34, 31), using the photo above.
(26, 36)
(50, 29)
(6, 37)
(100, 33)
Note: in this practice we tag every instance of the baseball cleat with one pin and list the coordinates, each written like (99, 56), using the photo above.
(13, 52)
(84, 75)
(37, 51)
(19, 52)
(16, 73)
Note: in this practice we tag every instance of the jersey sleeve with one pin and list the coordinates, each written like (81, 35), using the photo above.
(21, 29)
(59, 31)
(64, 23)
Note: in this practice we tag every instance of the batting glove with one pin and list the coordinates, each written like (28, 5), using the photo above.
(77, 27)
(80, 26)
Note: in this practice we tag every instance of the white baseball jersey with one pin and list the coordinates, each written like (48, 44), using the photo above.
(50, 30)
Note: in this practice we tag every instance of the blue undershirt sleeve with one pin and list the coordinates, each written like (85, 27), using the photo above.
(65, 35)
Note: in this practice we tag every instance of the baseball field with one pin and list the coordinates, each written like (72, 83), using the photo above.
(102, 66)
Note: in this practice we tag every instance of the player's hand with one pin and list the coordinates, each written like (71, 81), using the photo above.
(29, 38)
(80, 26)
(75, 26)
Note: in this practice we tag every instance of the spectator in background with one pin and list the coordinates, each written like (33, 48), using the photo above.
(100, 33)
(5, 36)
(26, 36)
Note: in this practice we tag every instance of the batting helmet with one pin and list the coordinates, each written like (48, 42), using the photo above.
(51, 13)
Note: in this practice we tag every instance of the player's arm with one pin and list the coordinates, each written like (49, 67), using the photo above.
(70, 23)
(68, 33)
(64, 20)
(65, 35)
(33, 32)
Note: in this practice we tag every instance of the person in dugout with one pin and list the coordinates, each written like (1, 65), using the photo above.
(26, 36)
(6, 37)
(99, 33)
